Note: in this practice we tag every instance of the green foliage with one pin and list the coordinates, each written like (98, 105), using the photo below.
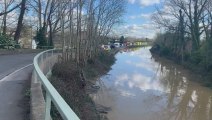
(121, 40)
(165, 51)
(162, 50)
(206, 51)
(40, 38)
(17, 46)
(106, 58)
(6, 41)
(112, 41)
(27, 93)
(186, 56)
(196, 57)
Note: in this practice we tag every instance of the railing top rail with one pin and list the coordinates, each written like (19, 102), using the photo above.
(66, 112)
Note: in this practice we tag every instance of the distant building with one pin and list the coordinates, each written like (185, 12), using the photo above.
(26, 37)
(34, 45)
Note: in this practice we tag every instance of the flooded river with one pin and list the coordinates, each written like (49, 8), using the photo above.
(141, 87)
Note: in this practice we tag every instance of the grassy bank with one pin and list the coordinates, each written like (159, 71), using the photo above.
(68, 81)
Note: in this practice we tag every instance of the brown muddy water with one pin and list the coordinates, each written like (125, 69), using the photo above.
(140, 87)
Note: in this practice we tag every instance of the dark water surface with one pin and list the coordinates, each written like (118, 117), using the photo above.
(140, 87)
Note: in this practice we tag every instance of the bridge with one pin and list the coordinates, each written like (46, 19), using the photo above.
(17, 72)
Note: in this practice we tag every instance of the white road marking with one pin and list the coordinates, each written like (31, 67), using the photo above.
(3, 79)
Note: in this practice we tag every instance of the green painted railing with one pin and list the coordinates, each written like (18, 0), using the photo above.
(43, 63)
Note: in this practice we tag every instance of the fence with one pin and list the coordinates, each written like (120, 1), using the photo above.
(43, 64)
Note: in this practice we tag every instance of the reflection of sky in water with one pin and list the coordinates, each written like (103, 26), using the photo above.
(133, 71)
(139, 88)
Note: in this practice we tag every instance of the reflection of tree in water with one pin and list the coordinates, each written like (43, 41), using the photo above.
(210, 108)
(201, 108)
(131, 49)
(186, 100)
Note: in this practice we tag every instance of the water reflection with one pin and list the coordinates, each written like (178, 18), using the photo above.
(142, 87)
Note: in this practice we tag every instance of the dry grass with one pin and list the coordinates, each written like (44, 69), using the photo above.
(67, 81)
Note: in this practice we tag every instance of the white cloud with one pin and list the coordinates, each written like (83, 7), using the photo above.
(131, 1)
(137, 30)
(143, 30)
(146, 16)
(143, 15)
(145, 2)
(140, 81)
(149, 2)
(126, 93)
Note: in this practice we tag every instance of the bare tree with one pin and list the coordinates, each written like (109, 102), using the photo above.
(6, 10)
(192, 10)
(20, 21)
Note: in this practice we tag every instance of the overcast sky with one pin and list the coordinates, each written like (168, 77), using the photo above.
(138, 19)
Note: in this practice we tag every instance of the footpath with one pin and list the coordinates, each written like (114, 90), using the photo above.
(15, 79)
(14, 92)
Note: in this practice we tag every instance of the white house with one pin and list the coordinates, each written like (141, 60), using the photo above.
(34, 45)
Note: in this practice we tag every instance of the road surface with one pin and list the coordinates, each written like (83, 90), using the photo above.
(15, 73)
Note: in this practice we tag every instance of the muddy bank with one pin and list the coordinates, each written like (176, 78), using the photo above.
(67, 79)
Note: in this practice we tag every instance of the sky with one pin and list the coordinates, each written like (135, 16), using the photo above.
(137, 20)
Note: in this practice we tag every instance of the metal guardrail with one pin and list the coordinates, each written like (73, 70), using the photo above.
(43, 63)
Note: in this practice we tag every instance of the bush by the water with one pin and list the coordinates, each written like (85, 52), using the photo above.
(199, 60)
(100, 65)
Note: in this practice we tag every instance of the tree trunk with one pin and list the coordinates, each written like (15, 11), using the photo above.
(4, 24)
(5, 19)
(50, 41)
(20, 21)
(182, 33)
(39, 13)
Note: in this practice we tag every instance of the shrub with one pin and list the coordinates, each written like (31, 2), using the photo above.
(40, 38)
(165, 51)
(6, 42)
(196, 57)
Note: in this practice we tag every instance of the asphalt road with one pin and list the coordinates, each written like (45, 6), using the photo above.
(10, 63)
(15, 73)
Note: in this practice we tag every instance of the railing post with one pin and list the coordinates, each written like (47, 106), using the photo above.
(48, 107)
(41, 61)
(52, 62)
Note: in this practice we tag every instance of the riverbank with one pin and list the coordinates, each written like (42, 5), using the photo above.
(199, 69)
(75, 89)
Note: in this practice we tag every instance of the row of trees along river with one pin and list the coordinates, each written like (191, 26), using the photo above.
(188, 33)
(78, 25)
